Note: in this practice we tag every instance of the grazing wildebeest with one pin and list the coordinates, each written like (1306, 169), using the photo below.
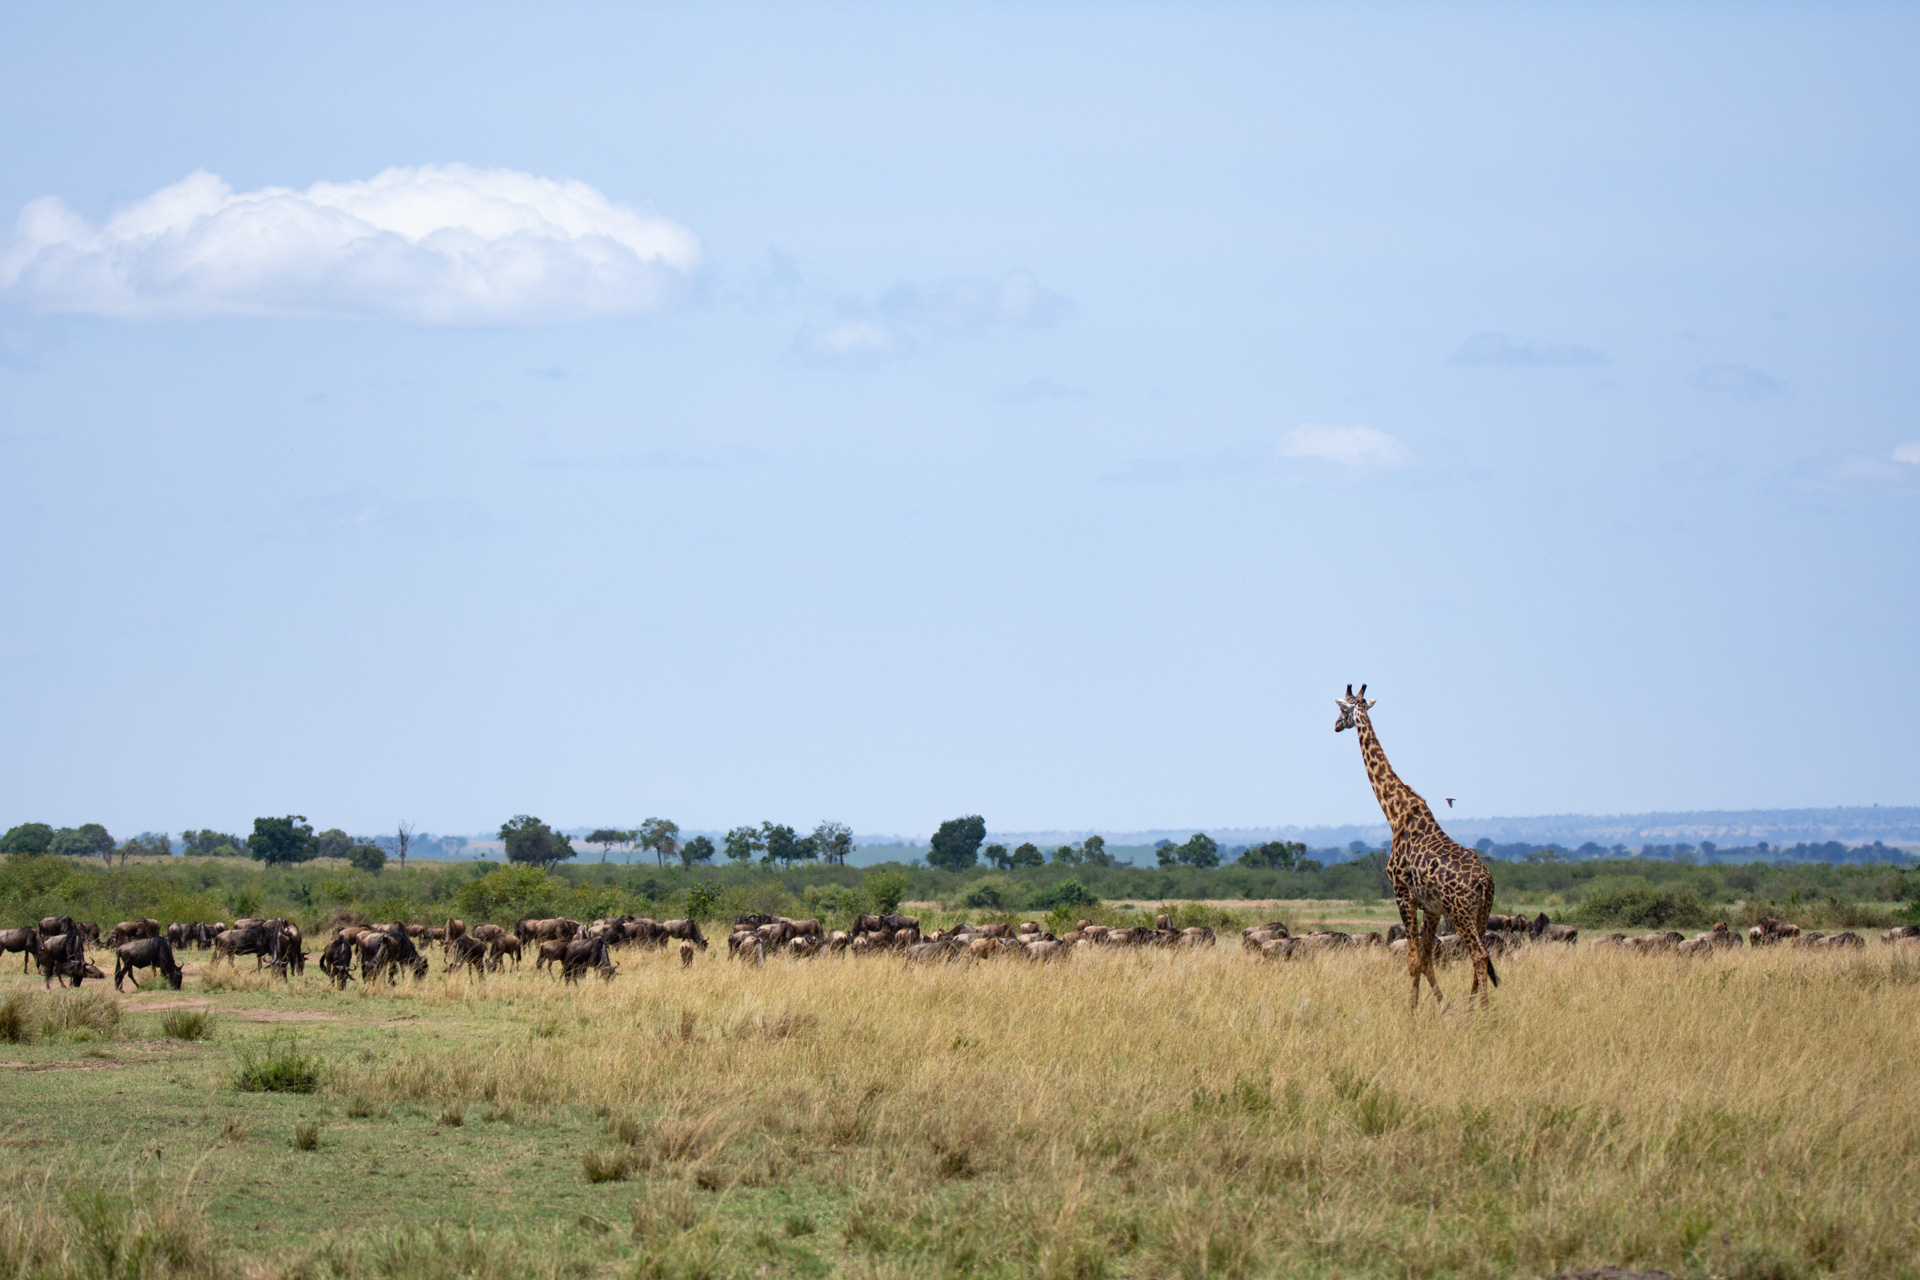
(51, 925)
(128, 930)
(387, 953)
(689, 931)
(686, 954)
(145, 953)
(583, 954)
(486, 932)
(336, 961)
(1901, 933)
(645, 931)
(63, 956)
(549, 952)
(467, 951)
(244, 940)
(504, 945)
(25, 940)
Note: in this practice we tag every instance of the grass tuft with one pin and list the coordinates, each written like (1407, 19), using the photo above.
(306, 1136)
(606, 1166)
(186, 1024)
(279, 1067)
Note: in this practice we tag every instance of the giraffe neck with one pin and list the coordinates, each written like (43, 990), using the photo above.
(1406, 812)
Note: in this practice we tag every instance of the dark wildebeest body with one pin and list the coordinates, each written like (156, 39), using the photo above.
(686, 931)
(63, 956)
(504, 945)
(145, 953)
(387, 953)
(464, 951)
(583, 954)
(244, 940)
(128, 930)
(336, 961)
(25, 940)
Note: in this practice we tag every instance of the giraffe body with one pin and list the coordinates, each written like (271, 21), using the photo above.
(1432, 876)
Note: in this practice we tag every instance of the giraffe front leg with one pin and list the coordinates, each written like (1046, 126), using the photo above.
(1428, 928)
(1410, 921)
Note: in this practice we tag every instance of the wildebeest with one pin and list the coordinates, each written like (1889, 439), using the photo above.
(504, 945)
(1544, 930)
(689, 931)
(25, 940)
(1770, 931)
(686, 954)
(388, 953)
(128, 930)
(145, 953)
(64, 956)
(336, 960)
(464, 951)
(486, 932)
(583, 954)
(1901, 933)
(552, 951)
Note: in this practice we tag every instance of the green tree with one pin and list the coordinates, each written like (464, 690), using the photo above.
(698, 849)
(1067, 856)
(742, 843)
(277, 841)
(661, 836)
(370, 858)
(956, 845)
(834, 841)
(1274, 855)
(1201, 850)
(1093, 851)
(607, 837)
(701, 898)
(212, 844)
(784, 845)
(885, 889)
(148, 844)
(332, 843)
(88, 840)
(997, 855)
(27, 838)
(1027, 855)
(532, 842)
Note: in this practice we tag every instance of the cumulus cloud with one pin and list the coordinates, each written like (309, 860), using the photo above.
(1739, 381)
(909, 317)
(1362, 448)
(1908, 452)
(439, 244)
(1498, 350)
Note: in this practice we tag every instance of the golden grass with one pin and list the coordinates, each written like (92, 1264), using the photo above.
(1202, 1113)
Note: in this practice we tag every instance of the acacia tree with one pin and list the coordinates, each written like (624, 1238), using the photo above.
(742, 843)
(956, 845)
(402, 839)
(661, 836)
(607, 837)
(277, 841)
(698, 849)
(530, 840)
(834, 840)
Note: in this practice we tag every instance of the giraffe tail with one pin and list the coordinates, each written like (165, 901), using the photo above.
(1491, 972)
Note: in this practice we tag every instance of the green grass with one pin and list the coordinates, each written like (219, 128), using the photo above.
(278, 1067)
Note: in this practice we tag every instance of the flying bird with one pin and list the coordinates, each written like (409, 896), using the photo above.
(1449, 802)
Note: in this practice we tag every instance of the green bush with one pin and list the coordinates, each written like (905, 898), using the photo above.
(993, 894)
(1066, 893)
(885, 890)
(280, 1067)
(1637, 908)
(19, 1022)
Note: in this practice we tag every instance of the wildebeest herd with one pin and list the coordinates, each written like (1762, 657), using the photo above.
(58, 944)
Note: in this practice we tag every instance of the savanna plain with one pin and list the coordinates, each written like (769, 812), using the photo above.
(1126, 1113)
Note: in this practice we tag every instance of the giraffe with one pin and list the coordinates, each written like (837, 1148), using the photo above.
(1431, 875)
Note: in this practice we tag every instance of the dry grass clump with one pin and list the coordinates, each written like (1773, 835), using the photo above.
(1202, 1113)
(78, 1015)
(88, 1233)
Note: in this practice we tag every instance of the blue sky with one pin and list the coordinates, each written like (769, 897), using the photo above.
(883, 413)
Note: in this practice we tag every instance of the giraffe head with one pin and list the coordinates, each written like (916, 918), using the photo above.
(1353, 708)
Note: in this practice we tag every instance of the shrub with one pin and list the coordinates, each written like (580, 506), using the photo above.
(1067, 893)
(885, 890)
(602, 1166)
(186, 1024)
(992, 894)
(1636, 908)
(84, 1015)
(280, 1067)
(306, 1136)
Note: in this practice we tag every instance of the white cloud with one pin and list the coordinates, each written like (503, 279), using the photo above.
(909, 316)
(1358, 447)
(1498, 349)
(440, 244)
(1908, 452)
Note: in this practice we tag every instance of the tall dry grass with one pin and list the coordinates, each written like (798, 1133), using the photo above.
(1199, 1114)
